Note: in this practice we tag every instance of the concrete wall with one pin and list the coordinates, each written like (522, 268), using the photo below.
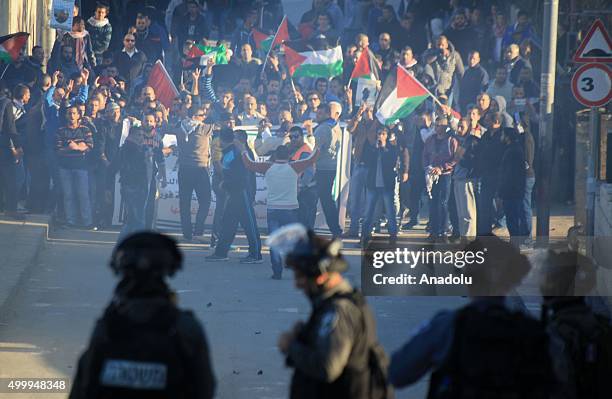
(602, 243)
(30, 16)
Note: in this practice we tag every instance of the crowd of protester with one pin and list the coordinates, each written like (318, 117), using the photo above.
(470, 151)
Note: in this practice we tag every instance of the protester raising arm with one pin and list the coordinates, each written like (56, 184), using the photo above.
(209, 92)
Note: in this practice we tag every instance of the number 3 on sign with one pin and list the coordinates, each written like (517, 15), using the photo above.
(592, 85)
(588, 84)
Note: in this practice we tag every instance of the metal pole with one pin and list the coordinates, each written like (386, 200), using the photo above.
(547, 97)
(593, 163)
(3, 72)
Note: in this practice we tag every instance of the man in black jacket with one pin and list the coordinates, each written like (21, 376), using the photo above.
(107, 150)
(11, 154)
(491, 150)
(145, 345)
(381, 158)
(474, 81)
(130, 61)
(238, 208)
(511, 184)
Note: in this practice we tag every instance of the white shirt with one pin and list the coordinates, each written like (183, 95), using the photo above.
(130, 54)
(282, 182)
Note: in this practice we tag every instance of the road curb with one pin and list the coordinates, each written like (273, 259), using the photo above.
(34, 233)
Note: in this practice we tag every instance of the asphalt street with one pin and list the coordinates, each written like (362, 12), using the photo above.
(243, 312)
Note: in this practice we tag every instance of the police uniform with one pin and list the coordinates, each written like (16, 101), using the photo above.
(475, 349)
(330, 354)
(199, 381)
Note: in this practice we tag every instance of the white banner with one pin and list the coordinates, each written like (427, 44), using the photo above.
(168, 211)
(61, 15)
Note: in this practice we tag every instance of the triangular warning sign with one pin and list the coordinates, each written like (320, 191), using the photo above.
(596, 45)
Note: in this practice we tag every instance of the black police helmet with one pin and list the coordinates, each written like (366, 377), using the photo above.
(314, 255)
(147, 253)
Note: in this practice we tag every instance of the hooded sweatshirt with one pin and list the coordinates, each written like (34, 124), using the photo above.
(508, 121)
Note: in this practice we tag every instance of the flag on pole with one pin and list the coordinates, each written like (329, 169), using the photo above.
(282, 33)
(262, 41)
(164, 87)
(314, 64)
(11, 45)
(400, 95)
(198, 51)
(366, 67)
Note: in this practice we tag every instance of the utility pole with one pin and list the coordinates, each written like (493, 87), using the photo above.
(547, 98)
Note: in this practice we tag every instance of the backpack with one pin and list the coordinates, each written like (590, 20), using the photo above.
(586, 358)
(139, 360)
(378, 361)
(496, 353)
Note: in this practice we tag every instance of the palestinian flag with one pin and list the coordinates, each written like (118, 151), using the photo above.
(199, 50)
(164, 87)
(314, 64)
(11, 45)
(366, 67)
(262, 41)
(282, 33)
(266, 42)
(400, 95)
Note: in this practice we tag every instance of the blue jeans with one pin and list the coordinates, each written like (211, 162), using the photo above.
(278, 218)
(75, 189)
(440, 194)
(135, 202)
(372, 196)
(357, 196)
(527, 205)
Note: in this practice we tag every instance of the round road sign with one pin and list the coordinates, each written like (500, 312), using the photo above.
(592, 85)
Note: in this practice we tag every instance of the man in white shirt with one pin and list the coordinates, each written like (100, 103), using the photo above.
(250, 116)
(282, 181)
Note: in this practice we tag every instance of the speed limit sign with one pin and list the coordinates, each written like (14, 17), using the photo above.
(592, 84)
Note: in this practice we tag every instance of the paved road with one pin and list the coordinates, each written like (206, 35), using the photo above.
(242, 309)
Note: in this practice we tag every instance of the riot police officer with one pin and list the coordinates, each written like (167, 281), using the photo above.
(144, 346)
(335, 354)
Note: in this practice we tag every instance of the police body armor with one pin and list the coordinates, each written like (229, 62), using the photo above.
(140, 360)
(495, 354)
(353, 383)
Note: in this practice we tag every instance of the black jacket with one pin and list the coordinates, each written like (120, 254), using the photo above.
(106, 142)
(130, 68)
(490, 152)
(512, 174)
(9, 136)
(474, 81)
(390, 160)
(140, 158)
(235, 176)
